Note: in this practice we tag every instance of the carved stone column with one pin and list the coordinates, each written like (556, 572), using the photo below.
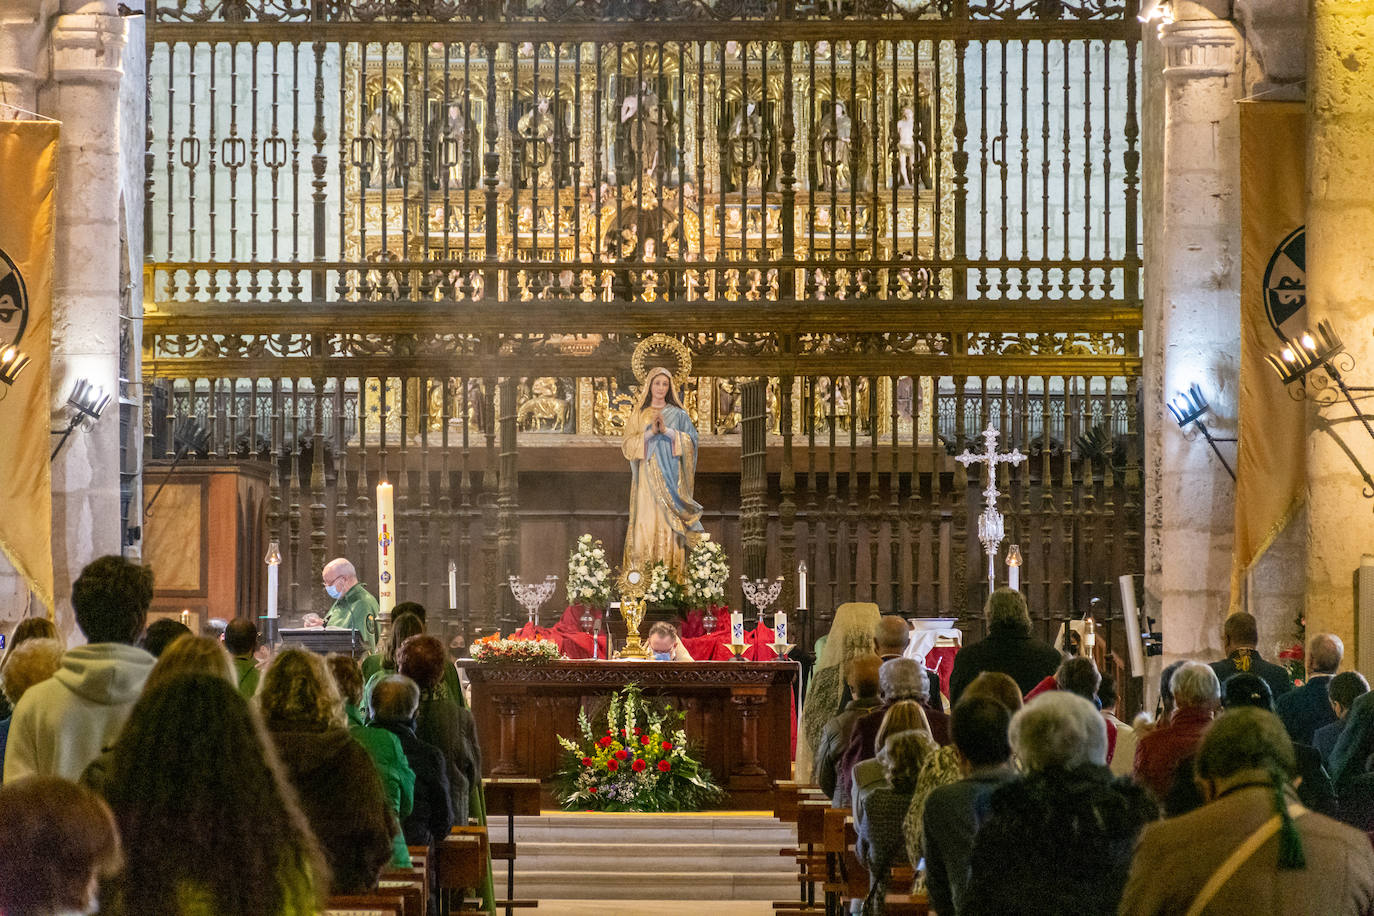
(1192, 333)
(1340, 288)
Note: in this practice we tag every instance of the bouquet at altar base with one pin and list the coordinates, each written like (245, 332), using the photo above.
(515, 650)
(640, 763)
(707, 573)
(589, 575)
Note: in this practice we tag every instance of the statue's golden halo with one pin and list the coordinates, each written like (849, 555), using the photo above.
(662, 350)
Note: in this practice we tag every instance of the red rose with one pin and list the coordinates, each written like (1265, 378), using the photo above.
(606, 741)
(636, 729)
(586, 761)
(664, 766)
(645, 740)
(622, 731)
(612, 765)
(638, 765)
(621, 754)
(667, 745)
(591, 788)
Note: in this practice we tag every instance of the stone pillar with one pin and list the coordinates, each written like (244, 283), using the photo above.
(1340, 287)
(93, 255)
(1192, 296)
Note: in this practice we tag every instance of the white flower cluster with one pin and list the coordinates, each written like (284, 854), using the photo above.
(663, 588)
(707, 573)
(589, 575)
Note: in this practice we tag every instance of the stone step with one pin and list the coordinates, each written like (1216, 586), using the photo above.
(658, 857)
(596, 827)
(582, 884)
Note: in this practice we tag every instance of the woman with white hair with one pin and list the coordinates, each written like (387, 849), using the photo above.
(1058, 839)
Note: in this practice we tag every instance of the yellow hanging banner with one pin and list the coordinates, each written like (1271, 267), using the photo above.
(1271, 465)
(28, 186)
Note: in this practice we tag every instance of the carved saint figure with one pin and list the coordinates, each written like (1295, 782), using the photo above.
(661, 445)
(836, 139)
(538, 130)
(383, 128)
(449, 153)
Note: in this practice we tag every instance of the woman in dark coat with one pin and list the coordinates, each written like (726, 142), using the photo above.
(440, 720)
(334, 777)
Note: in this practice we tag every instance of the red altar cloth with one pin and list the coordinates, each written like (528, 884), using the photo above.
(941, 660)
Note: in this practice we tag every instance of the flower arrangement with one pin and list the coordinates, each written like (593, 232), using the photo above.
(664, 589)
(515, 650)
(589, 575)
(707, 573)
(640, 763)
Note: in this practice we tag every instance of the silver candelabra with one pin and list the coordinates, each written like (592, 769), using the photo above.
(532, 595)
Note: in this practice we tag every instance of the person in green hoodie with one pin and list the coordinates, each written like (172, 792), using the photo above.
(241, 639)
(62, 724)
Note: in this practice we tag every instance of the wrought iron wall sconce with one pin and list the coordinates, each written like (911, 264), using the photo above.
(190, 436)
(1315, 365)
(84, 406)
(1189, 408)
(12, 362)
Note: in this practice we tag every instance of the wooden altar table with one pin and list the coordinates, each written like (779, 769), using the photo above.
(738, 714)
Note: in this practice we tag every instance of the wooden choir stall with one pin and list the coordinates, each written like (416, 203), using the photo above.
(739, 714)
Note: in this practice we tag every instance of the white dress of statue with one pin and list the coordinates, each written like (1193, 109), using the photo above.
(906, 147)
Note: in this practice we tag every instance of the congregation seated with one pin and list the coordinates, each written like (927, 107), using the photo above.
(162, 633)
(63, 723)
(891, 636)
(881, 804)
(1196, 696)
(1252, 847)
(1078, 674)
(902, 716)
(953, 813)
(208, 822)
(24, 630)
(1058, 839)
(1009, 647)
(863, 685)
(851, 635)
(339, 790)
(241, 641)
(1305, 709)
(441, 721)
(898, 679)
(1344, 690)
(31, 663)
(398, 780)
(1239, 638)
(59, 841)
(1313, 784)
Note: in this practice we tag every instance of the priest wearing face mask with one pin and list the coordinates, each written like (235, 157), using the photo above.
(353, 604)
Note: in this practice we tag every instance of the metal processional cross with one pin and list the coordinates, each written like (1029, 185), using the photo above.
(990, 525)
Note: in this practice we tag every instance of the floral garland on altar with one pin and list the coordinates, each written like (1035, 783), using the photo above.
(589, 575)
(641, 763)
(515, 650)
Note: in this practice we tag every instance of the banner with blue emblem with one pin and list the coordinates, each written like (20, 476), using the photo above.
(1271, 464)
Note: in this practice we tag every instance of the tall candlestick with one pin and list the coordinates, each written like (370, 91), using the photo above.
(801, 585)
(386, 552)
(452, 586)
(273, 562)
(780, 627)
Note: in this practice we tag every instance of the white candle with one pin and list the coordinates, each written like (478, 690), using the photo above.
(780, 627)
(273, 561)
(386, 549)
(1014, 577)
(801, 586)
(452, 586)
(272, 590)
(736, 628)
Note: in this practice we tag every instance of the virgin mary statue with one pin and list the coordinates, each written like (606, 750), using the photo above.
(661, 446)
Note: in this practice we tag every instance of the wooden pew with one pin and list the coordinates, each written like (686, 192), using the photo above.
(810, 856)
(462, 864)
(364, 905)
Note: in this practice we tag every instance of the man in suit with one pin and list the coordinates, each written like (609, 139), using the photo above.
(1239, 637)
(1310, 864)
(1308, 708)
(1009, 647)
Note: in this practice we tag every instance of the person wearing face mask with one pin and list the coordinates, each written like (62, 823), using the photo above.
(354, 606)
